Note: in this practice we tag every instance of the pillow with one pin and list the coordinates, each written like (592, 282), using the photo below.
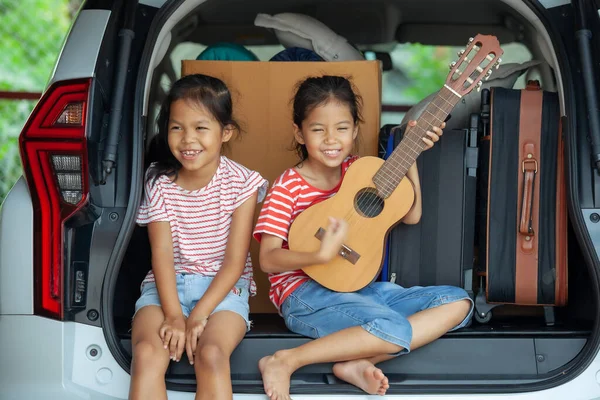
(298, 30)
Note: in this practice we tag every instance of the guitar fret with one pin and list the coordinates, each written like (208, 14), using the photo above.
(402, 160)
(392, 175)
(412, 140)
(430, 113)
(389, 174)
(414, 151)
(451, 105)
(441, 108)
(436, 106)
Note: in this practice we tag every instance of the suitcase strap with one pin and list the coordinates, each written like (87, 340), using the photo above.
(529, 167)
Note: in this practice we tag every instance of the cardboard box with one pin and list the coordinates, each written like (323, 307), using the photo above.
(262, 95)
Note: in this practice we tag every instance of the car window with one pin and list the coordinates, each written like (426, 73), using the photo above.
(419, 70)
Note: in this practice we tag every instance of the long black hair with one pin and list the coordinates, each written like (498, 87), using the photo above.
(203, 90)
(317, 91)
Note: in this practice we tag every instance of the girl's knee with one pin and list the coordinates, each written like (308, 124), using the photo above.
(211, 356)
(456, 301)
(459, 310)
(464, 306)
(147, 354)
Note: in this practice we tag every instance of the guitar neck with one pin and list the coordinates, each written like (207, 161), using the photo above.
(406, 153)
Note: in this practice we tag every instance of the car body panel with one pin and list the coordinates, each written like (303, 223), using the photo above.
(16, 251)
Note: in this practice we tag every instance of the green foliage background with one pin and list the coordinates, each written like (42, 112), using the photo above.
(427, 68)
(31, 36)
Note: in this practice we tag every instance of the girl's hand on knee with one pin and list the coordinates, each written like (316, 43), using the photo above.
(172, 333)
(194, 328)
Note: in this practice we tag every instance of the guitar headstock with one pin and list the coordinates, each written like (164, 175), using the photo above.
(475, 63)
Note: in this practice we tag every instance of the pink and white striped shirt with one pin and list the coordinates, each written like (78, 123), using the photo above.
(200, 219)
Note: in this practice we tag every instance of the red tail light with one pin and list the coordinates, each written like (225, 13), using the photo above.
(54, 156)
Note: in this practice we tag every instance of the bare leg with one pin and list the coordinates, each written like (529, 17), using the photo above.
(224, 331)
(150, 359)
(428, 325)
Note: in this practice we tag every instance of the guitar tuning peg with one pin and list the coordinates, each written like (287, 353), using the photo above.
(479, 85)
(471, 40)
(498, 63)
(452, 64)
(461, 52)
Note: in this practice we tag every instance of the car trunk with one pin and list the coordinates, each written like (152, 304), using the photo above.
(515, 347)
(517, 350)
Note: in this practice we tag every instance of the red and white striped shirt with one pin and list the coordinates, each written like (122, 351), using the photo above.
(289, 196)
(200, 219)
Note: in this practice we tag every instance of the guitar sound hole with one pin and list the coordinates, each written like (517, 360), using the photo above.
(368, 203)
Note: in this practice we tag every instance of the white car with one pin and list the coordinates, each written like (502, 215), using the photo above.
(72, 257)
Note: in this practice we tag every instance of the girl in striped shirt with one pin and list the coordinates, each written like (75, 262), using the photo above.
(199, 208)
(354, 330)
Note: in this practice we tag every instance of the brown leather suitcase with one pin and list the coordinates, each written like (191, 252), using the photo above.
(523, 247)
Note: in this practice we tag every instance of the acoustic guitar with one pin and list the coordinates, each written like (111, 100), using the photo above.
(375, 195)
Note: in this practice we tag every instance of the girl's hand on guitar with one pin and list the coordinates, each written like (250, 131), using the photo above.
(334, 237)
(432, 137)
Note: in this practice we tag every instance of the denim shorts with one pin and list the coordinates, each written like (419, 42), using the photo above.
(381, 308)
(191, 287)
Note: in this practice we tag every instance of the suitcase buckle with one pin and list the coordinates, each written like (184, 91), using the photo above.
(529, 161)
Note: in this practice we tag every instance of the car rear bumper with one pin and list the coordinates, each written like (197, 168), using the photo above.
(43, 358)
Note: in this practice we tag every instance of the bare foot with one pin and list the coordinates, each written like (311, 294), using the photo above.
(363, 374)
(276, 376)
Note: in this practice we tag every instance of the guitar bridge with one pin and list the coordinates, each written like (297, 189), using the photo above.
(345, 252)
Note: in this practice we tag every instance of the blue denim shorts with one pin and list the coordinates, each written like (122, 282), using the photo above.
(381, 308)
(191, 287)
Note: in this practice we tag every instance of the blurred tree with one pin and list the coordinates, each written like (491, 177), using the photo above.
(427, 69)
(31, 34)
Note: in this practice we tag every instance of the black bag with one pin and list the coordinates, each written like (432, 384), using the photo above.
(439, 249)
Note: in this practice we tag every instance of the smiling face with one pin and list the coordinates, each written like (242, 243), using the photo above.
(328, 132)
(195, 137)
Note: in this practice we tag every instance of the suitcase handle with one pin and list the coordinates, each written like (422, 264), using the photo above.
(529, 167)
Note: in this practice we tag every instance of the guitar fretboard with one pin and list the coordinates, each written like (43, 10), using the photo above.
(395, 167)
